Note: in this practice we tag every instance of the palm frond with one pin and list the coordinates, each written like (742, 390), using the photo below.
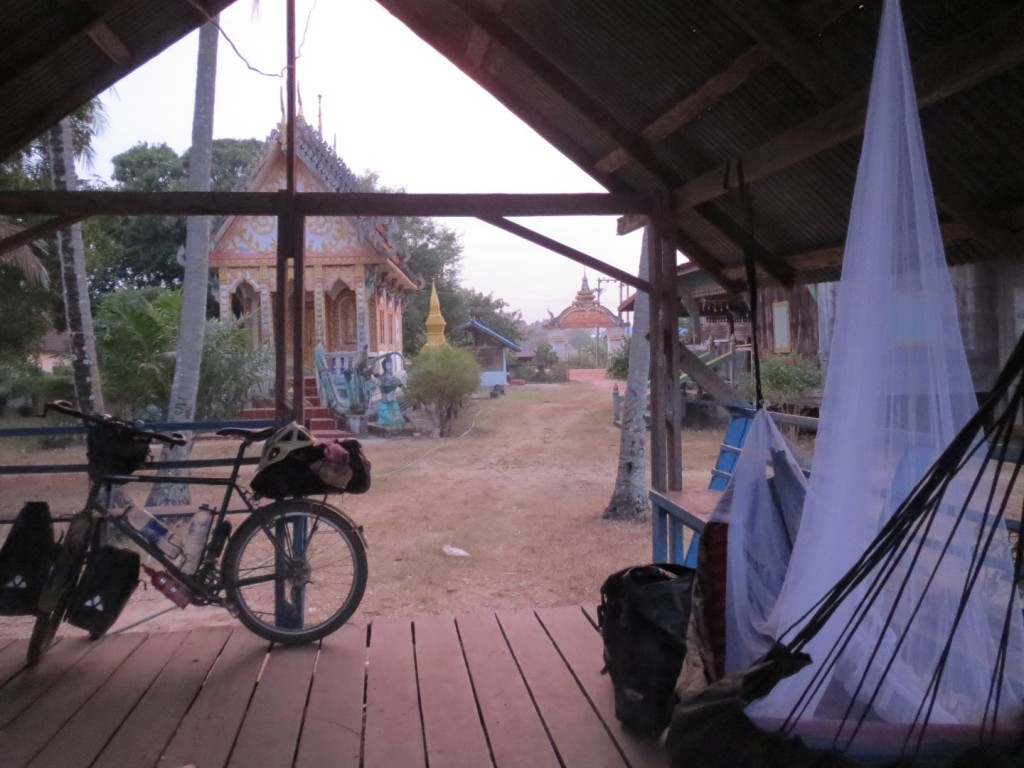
(22, 257)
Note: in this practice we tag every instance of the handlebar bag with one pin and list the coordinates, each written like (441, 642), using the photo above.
(111, 575)
(25, 559)
(114, 449)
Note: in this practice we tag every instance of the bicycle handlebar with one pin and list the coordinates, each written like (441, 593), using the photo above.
(173, 438)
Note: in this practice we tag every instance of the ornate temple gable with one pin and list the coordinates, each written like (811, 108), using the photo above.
(585, 312)
(356, 239)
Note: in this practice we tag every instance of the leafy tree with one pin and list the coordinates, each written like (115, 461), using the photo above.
(24, 313)
(544, 357)
(139, 251)
(145, 248)
(440, 379)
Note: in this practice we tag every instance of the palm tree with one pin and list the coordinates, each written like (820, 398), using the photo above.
(71, 253)
(629, 498)
(185, 386)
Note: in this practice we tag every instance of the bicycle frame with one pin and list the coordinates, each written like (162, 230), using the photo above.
(199, 582)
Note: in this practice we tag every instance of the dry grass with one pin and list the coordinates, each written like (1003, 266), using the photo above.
(521, 489)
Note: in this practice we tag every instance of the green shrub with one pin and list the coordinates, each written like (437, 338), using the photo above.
(786, 379)
(618, 366)
(440, 379)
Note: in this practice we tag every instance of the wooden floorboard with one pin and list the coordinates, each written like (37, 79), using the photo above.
(452, 729)
(394, 730)
(580, 645)
(513, 689)
(578, 733)
(82, 738)
(516, 731)
(141, 738)
(333, 730)
(66, 697)
(207, 733)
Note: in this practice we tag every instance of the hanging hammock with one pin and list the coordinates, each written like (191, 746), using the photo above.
(954, 528)
(919, 645)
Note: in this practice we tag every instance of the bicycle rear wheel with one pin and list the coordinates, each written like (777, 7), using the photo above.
(296, 571)
(59, 588)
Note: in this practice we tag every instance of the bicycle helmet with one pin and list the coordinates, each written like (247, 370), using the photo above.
(291, 437)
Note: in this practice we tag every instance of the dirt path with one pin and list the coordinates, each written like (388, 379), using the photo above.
(521, 489)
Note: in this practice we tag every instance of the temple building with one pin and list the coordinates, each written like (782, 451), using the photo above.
(354, 278)
(585, 314)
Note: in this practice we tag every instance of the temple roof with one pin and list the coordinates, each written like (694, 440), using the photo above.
(585, 312)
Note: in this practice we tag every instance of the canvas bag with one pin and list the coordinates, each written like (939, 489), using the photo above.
(25, 559)
(643, 617)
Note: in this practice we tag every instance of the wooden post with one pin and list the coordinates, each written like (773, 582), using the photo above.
(656, 276)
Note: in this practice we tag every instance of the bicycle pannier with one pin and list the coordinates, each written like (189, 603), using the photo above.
(643, 617)
(25, 559)
(111, 575)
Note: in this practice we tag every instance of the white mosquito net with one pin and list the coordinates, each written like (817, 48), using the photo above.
(762, 508)
(897, 391)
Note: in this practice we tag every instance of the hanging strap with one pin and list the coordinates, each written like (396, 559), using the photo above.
(747, 209)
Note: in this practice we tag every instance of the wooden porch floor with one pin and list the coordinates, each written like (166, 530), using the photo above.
(491, 689)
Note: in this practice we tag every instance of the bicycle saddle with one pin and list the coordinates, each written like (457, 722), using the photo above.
(252, 435)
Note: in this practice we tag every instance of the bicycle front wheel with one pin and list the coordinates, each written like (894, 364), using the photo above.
(295, 570)
(59, 588)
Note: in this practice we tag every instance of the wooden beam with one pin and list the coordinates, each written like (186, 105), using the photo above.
(812, 18)
(571, 253)
(86, 204)
(707, 379)
(976, 56)
(800, 58)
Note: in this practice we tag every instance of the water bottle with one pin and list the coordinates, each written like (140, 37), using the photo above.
(153, 531)
(169, 586)
(195, 538)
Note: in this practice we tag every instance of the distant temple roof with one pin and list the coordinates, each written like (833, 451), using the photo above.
(585, 312)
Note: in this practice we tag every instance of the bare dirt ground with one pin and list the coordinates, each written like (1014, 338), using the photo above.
(521, 489)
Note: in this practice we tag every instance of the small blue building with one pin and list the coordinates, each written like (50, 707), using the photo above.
(489, 347)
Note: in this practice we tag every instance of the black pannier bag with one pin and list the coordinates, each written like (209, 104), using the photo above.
(25, 559)
(337, 467)
(643, 617)
(111, 575)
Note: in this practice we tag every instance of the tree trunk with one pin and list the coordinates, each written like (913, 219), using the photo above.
(629, 498)
(71, 253)
(185, 386)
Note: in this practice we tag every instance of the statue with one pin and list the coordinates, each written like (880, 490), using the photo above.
(389, 413)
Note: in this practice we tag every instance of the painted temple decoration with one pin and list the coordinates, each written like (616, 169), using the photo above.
(585, 314)
(354, 278)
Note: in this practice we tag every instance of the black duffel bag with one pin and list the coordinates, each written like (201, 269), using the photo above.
(643, 617)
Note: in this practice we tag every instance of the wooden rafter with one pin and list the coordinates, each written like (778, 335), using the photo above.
(812, 18)
(981, 53)
(800, 57)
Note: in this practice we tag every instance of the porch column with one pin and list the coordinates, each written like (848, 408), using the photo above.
(319, 309)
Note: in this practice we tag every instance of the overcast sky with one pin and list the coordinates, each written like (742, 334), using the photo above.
(392, 105)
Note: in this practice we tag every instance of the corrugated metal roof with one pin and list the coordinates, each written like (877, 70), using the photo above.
(646, 95)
